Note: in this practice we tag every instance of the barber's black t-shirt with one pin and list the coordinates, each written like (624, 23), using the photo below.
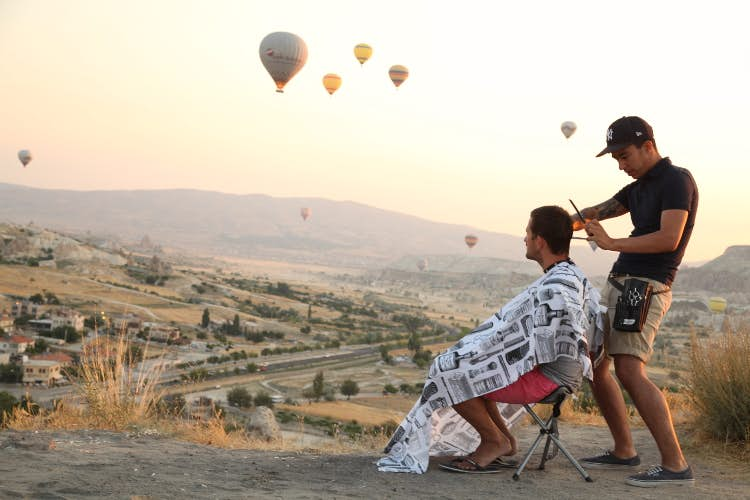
(664, 187)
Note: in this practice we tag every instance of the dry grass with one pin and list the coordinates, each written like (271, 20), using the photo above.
(347, 411)
(719, 388)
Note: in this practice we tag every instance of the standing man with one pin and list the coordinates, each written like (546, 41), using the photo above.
(662, 203)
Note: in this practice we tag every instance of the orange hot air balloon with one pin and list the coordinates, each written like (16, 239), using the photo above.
(305, 213)
(332, 82)
(470, 240)
(398, 74)
(362, 52)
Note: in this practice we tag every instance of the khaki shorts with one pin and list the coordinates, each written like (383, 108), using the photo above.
(638, 344)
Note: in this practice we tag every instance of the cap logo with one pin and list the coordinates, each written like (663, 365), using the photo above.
(638, 133)
(610, 132)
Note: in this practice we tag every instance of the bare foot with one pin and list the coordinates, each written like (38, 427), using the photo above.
(486, 452)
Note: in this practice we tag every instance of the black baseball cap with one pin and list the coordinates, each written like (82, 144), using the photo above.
(626, 131)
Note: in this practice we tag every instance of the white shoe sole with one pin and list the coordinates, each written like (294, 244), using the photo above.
(662, 482)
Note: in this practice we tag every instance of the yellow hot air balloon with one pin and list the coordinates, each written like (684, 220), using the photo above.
(332, 82)
(398, 74)
(362, 52)
(25, 156)
(717, 304)
(283, 54)
(471, 240)
(568, 128)
(305, 212)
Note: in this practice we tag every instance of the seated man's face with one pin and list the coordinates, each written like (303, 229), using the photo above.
(532, 247)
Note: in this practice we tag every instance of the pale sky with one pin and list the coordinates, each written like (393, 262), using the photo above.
(172, 94)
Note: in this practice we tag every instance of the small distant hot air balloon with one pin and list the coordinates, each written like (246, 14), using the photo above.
(398, 74)
(283, 54)
(362, 52)
(422, 264)
(471, 240)
(332, 82)
(305, 212)
(25, 156)
(717, 304)
(568, 128)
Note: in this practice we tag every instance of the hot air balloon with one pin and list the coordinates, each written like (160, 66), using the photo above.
(305, 213)
(568, 129)
(717, 304)
(362, 52)
(25, 156)
(422, 264)
(283, 54)
(331, 82)
(470, 240)
(398, 74)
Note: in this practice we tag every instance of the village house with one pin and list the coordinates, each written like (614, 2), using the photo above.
(24, 308)
(57, 318)
(4, 358)
(15, 344)
(60, 357)
(6, 321)
(41, 371)
(162, 333)
(129, 324)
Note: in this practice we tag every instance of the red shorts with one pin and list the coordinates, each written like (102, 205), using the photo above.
(531, 387)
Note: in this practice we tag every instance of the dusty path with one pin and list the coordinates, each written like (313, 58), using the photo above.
(98, 464)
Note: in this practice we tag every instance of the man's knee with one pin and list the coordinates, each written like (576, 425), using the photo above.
(630, 370)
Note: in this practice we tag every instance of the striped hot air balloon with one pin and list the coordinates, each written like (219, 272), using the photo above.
(362, 52)
(470, 240)
(398, 74)
(332, 82)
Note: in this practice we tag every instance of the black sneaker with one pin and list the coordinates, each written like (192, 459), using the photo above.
(658, 476)
(608, 461)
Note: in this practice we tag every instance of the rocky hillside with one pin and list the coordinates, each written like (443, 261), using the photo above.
(728, 273)
(33, 245)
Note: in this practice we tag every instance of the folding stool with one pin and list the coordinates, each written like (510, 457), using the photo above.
(549, 428)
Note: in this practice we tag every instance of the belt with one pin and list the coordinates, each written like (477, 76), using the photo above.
(620, 287)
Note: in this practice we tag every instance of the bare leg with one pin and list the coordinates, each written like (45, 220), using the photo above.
(612, 405)
(500, 423)
(493, 442)
(653, 409)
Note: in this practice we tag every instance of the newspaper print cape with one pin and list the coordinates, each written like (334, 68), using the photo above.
(556, 316)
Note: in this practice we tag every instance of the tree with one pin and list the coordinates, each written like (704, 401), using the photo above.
(7, 402)
(10, 373)
(318, 386)
(349, 388)
(415, 343)
(240, 397)
(206, 319)
(263, 399)
(384, 354)
(410, 322)
(236, 330)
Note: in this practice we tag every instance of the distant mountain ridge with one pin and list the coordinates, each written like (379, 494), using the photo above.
(260, 226)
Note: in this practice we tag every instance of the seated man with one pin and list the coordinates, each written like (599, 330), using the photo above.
(534, 344)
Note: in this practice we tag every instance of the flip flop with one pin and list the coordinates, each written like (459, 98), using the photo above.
(505, 464)
(491, 468)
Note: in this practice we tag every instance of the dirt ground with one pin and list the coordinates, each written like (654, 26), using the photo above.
(100, 464)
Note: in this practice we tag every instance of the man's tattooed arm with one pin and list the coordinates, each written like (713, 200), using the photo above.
(607, 210)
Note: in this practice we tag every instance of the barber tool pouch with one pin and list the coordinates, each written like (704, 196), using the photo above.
(632, 305)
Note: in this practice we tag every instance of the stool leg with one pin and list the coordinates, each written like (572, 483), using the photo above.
(572, 460)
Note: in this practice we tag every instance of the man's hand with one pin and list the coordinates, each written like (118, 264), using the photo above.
(598, 235)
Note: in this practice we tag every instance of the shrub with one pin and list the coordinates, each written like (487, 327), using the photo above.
(241, 397)
(263, 399)
(719, 385)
